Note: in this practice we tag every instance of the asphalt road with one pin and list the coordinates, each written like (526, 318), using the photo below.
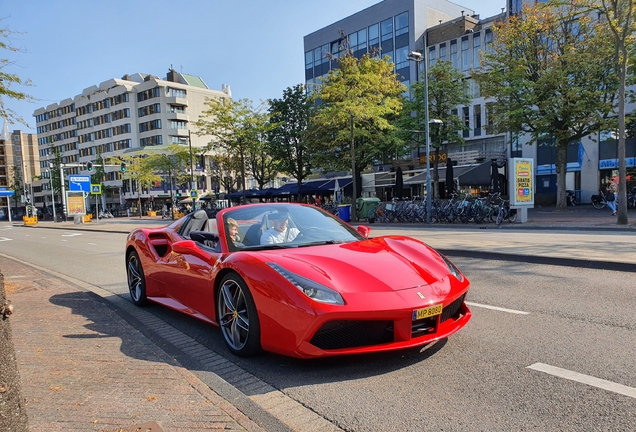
(549, 348)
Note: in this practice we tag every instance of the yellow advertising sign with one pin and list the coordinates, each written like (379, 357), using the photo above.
(523, 177)
(76, 205)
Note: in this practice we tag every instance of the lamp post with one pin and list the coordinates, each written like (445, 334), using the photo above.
(418, 57)
(50, 172)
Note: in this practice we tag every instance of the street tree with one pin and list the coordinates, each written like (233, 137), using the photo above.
(358, 104)
(289, 123)
(232, 125)
(9, 80)
(171, 162)
(16, 183)
(619, 17)
(141, 174)
(551, 74)
(224, 168)
(447, 88)
(260, 163)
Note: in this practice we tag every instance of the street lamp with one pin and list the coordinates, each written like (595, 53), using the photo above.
(52, 192)
(418, 57)
(191, 169)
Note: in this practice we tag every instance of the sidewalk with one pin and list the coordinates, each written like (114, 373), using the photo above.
(84, 368)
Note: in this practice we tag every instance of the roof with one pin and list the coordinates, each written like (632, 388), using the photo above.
(194, 81)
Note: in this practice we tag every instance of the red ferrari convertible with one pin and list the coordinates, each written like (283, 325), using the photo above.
(295, 280)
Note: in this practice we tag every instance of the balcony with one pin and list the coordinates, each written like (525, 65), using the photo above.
(172, 100)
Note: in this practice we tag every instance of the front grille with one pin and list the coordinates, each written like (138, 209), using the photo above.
(423, 326)
(352, 334)
(452, 309)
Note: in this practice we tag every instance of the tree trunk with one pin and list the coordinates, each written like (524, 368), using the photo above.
(13, 415)
(561, 167)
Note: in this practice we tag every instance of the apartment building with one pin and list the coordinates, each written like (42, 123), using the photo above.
(18, 151)
(132, 112)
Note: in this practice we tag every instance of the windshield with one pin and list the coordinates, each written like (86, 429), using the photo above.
(261, 227)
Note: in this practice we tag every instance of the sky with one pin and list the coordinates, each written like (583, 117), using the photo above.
(70, 45)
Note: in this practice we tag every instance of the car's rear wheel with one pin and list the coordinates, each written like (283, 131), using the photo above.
(136, 279)
(238, 317)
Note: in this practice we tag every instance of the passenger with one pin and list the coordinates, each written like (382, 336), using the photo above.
(232, 228)
(280, 231)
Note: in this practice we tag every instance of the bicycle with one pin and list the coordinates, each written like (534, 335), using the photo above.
(505, 213)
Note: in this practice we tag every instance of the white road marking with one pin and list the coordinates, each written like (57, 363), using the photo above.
(512, 311)
(5, 239)
(71, 235)
(584, 379)
(94, 244)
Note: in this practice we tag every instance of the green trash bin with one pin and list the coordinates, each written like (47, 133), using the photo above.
(365, 208)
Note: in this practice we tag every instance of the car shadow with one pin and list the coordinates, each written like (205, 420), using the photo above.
(105, 322)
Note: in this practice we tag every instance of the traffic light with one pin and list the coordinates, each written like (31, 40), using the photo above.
(123, 167)
(89, 166)
(178, 194)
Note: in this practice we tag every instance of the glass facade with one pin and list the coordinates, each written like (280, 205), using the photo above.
(389, 37)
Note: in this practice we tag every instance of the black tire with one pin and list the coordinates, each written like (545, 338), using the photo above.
(136, 279)
(238, 317)
(512, 215)
(598, 204)
(500, 216)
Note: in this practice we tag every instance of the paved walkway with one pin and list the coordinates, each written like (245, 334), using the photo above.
(85, 368)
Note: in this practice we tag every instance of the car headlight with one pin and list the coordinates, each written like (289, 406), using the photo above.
(311, 289)
(454, 270)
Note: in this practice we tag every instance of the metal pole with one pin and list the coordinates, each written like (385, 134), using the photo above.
(191, 171)
(63, 192)
(428, 154)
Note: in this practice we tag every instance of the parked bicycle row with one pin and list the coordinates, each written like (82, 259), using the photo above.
(465, 209)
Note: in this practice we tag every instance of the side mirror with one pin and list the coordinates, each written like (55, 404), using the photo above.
(364, 231)
(186, 247)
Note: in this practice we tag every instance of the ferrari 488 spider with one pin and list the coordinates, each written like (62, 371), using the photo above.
(295, 280)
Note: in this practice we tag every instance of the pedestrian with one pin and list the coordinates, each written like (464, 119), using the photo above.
(610, 196)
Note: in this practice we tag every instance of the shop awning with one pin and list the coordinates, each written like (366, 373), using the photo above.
(458, 171)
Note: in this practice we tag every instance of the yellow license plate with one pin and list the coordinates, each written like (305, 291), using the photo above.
(427, 312)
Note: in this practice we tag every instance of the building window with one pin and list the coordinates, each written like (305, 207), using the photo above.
(490, 125)
(173, 92)
(402, 23)
(401, 57)
(453, 53)
(309, 60)
(432, 56)
(477, 119)
(466, 119)
(442, 52)
(488, 40)
(175, 124)
(476, 49)
(374, 38)
(465, 54)
(386, 28)
(362, 40)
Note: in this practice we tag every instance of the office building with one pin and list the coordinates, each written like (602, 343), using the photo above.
(134, 111)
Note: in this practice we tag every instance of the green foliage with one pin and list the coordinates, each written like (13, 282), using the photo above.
(234, 126)
(357, 106)
(289, 123)
(16, 183)
(447, 88)
(551, 73)
(9, 80)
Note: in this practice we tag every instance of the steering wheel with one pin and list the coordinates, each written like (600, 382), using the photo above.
(309, 232)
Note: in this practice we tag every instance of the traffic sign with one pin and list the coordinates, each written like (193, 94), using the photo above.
(96, 189)
(6, 193)
(193, 193)
(79, 183)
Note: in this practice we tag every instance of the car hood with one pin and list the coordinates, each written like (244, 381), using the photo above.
(389, 263)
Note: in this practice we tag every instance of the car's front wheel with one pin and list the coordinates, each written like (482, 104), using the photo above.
(237, 316)
(136, 279)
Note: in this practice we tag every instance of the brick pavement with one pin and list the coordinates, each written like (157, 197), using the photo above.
(84, 368)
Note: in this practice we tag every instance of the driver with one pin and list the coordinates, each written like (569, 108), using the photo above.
(280, 231)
